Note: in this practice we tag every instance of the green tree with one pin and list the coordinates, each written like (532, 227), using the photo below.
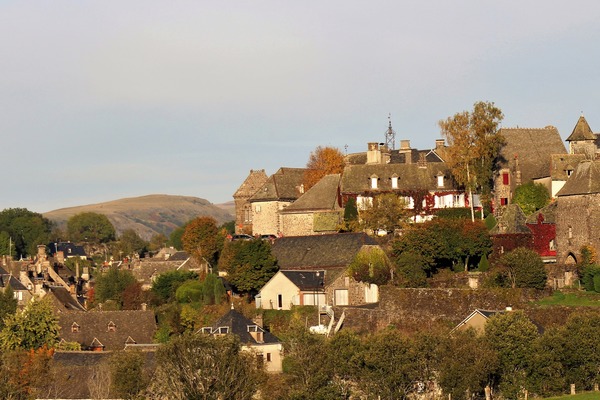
(32, 328)
(202, 240)
(128, 378)
(467, 364)
(524, 268)
(8, 304)
(157, 242)
(351, 222)
(531, 197)
(90, 227)
(410, 270)
(190, 292)
(111, 285)
(165, 286)
(512, 336)
(195, 366)
(474, 146)
(387, 211)
(6, 245)
(26, 229)
(370, 265)
(323, 161)
(249, 264)
(175, 237)
(131, 243)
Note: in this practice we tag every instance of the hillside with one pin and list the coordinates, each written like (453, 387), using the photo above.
(148, 215)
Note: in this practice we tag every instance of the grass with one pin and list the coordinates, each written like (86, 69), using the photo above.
(581, 396)
(580, 298)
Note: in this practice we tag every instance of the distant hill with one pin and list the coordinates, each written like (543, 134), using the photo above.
(149, 215)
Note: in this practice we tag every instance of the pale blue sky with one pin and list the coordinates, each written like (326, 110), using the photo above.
(101, 100)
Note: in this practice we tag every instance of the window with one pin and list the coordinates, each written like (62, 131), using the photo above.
(440, 180)
(112, 327)
(279, 301)
(257, 209)
(222, 330)
(206, 329)
(505, 179)
(247, 214)
(374, 180)
(552, 245)
(395, 182)
(268, 357)
(504, 201)
(570, 233)
(75, 327)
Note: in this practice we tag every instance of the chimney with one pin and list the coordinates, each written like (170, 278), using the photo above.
(406, 150)
(143, 306)
(440, 144)
(373, 153)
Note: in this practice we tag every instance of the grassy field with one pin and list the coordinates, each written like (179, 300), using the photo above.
(588, 299)
(582, 396)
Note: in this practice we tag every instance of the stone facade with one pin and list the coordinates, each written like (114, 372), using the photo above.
(243, 209)
(577, 224)
(266, 219)
(345, 291)
(297, 224)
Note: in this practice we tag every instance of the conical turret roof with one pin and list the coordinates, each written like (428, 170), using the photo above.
(582, 131)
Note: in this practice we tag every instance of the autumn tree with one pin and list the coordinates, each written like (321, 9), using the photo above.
(202, 240)
(370, 266)
(111, 285)
(157, 242)
(531, 197)
(90, 227)
(387, 211)
(474, 147)
(322, 161)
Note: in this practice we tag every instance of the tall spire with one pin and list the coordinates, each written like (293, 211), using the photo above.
(390, 135)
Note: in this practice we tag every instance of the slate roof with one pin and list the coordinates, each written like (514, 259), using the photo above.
(306, 280)
(9, 280)
(319, 251)
(138, 326)
(255, 180)
(357, 178)
(63, 300)
(324, 195)
(149, 268)
(584, 180)
(511, 221)
(179, 256)
(533, 147)
(548, 214)
(581, 131)
(238, 325)
(560, 163)
(283, 185)
(69, 249)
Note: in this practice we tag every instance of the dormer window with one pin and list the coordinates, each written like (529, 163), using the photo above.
(440, 180)
(222, 330)
(394, 181)
(569, 172)
(374, 180)
(207, 330)
(75, 327)
(112, 327)
(257, 333)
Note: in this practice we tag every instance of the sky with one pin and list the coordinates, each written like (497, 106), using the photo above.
(101, 100)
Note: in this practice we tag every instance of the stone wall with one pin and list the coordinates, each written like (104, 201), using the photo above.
(414, 309)
(266, 218)
(577, 224)
(297, 224)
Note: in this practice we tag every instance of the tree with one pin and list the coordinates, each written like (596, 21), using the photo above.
(196, 366)
(127, 373)
(524, 268)
(410, 270)
(165, 286)
(32, 328)
(111, 285)
(248, 263)
(387, 211)
(202, 240)
(512, 336)
(131, 243)
(531, 197)
(26, 230)
(90, 227)
(474, 147)
(8, 304)
(351, 215)
(370, 266)
(133, 296)
(157, 242)
(322, 161)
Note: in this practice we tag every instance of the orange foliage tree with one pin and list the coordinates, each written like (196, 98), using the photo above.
(322, 161)
(203, 240)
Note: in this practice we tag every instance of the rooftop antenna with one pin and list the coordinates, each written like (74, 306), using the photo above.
(390, 135)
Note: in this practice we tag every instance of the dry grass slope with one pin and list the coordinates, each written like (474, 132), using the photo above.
(148, 215)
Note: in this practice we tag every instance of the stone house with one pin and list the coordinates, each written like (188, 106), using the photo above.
(107, 330)
(279, 191)
(526, 157)
(578, 212)
(476, 320)
(243, 209)
(292, 288)
(332, 254)
(267, 347)
(316, 212)
(420, 176)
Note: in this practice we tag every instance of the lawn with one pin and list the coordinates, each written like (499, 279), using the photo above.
(558, 298)
(582, 396)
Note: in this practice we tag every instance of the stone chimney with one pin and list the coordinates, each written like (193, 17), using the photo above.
(406, 150)
(440, 144)
(373, 153)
